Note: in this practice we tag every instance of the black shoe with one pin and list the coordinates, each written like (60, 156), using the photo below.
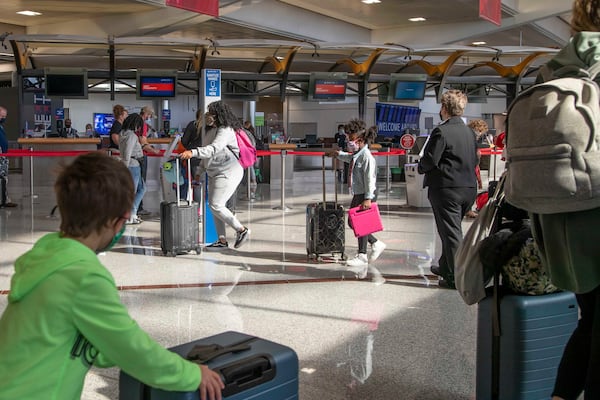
(435, 269)
(446, 283)
(218, 245)
(143, 212)
(241, 238)
(8, 205)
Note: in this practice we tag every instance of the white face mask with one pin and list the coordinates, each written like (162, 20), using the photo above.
(352, 146)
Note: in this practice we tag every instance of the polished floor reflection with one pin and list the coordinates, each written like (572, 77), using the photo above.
(388, 334)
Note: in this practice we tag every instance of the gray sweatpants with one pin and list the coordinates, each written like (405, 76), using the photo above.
(220, 188)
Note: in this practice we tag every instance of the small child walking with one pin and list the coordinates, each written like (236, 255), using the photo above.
(363, 177)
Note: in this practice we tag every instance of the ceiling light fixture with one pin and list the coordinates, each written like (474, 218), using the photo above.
(371, 1)
(417, 19)
(29, 13)
(478, 43)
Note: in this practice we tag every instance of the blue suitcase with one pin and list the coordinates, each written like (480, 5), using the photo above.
(534, 331)
(251, 368)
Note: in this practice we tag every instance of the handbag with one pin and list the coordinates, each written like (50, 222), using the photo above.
(469, 274)
(364, 222)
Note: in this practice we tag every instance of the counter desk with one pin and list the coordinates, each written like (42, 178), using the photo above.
(45, 168)
(275, 169)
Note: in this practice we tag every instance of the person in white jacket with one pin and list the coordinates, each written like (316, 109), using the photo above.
(219, 158)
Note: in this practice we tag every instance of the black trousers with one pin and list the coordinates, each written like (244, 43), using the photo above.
(144, 171)
(579, 368)
(3, 190)
(449, 206)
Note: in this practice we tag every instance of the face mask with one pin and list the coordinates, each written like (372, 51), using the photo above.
(2, 120)
(441, 118)
(352, 145)
(114, 240)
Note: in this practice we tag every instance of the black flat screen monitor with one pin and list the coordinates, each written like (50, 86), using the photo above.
(71, 83)
(327, 86)
(407, 87)
(156, 84)
(102, 123)
(409, 90)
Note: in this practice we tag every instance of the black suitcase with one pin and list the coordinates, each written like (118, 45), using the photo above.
(519, 360)
(179, 228)
(250, 367)
(325, 227)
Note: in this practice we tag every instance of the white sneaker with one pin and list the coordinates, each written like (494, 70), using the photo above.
(360, 260)
(376, 249)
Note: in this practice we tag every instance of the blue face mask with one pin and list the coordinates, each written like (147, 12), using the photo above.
(114, 240)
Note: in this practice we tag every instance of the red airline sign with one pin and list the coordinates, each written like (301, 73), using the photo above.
(209, 7)
(407, 141)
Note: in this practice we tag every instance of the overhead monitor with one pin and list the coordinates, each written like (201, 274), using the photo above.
(327, 86)
(156, 84)
(68, 83)
(407, 87)
(102, 123)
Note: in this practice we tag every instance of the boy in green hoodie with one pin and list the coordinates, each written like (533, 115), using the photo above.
(64, 313)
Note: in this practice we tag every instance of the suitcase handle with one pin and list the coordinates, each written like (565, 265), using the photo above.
(206, 353)
(247, 373)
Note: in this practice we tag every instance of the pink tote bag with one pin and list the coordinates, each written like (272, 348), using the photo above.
(365, 222)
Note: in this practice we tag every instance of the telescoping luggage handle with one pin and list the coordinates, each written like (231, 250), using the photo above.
(335, 183)
(177, 175)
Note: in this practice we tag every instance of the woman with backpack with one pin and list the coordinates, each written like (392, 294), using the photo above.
(219, 158)
(568, 241)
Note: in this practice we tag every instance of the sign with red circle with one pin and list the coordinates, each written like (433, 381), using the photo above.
(407, 141)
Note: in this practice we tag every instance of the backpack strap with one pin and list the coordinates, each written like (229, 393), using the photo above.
(570, 70)
(594, 70)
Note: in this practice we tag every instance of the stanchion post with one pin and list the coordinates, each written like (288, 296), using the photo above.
(387, 171)
(248, 180)
(31, 173)
(282, 207)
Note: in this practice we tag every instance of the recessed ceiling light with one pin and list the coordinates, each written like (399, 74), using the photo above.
(29, 13)
(417, 19)
(371, 1)
(478, 43)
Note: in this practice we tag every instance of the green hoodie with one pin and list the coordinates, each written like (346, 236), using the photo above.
(64, 314)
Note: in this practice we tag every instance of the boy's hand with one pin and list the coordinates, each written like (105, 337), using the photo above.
(332, 153)
(366, 204)
(186, 155)
(211, 385)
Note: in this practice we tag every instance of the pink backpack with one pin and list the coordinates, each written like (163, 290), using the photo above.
(247, 156)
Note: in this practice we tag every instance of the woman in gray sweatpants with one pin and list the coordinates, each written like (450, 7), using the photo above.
(219, 158)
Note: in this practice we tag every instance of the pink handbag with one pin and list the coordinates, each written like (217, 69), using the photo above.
(365, 222)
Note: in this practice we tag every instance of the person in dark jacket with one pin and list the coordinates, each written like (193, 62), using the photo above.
(4, 202)
(448, 162)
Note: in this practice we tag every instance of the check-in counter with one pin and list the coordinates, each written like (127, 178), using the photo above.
(45, 168)
(275, 170)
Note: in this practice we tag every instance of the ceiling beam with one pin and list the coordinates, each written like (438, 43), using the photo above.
(537, 10)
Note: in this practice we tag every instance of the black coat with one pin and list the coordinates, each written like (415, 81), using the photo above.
(450, 156)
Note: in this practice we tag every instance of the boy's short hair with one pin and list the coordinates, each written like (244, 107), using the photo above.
(92, 191)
